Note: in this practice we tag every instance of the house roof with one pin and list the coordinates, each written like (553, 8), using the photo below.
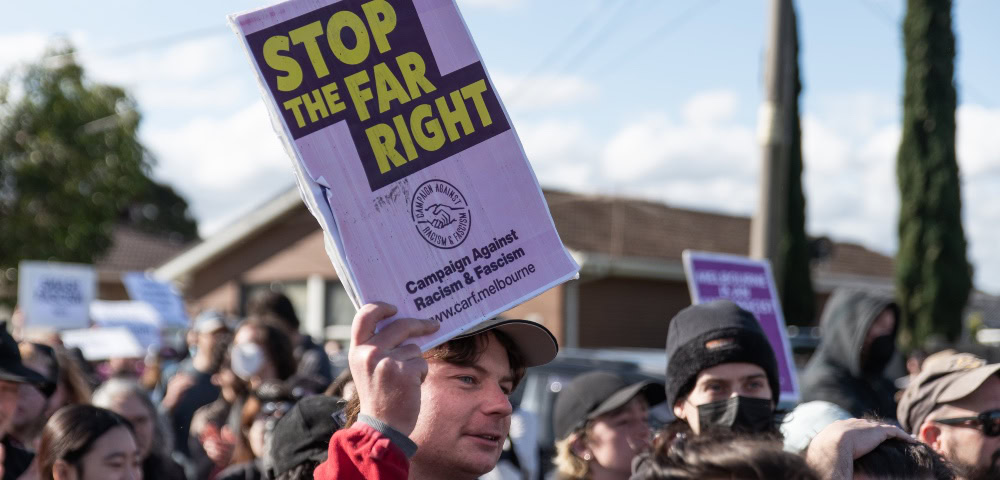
(630, 228)
(591, 226)
(132, 250)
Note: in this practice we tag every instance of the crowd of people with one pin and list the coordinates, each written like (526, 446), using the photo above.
(255, 399)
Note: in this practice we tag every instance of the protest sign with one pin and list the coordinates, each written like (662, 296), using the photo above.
(406, 156)
(162, 296)
(750, 284)
(55, 295)
(138, 317)
(103, 343)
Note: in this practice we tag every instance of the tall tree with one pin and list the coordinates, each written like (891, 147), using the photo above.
(797, 296)
(160, 210)
(933, 276)
(70, 162)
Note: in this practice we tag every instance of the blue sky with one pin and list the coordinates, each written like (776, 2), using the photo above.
(654, 99)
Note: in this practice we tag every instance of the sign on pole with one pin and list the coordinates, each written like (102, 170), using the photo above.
(748, 283)
(55, 295)
(103, 343)
(406, 156)
(138, 317)
(162, 296)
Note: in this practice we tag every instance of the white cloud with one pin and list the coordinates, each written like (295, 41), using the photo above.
(222, 165)
(543, 91)
(562, 153)
(21, 47)
(977, 145)
(710, 108)
(706, 145)
(209, 72)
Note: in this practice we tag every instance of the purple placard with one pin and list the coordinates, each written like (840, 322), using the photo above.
(750, 284)
(406, 156)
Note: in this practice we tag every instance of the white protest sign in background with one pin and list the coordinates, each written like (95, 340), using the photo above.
(162, 296)
(56, 295)
(138, 317)
(103, 343)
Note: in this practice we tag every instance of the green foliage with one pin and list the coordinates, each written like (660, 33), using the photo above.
(797, 296)
(70, 162)
(160, 210)
(933, 276)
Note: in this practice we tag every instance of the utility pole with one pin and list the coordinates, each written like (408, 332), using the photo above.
(775, 133)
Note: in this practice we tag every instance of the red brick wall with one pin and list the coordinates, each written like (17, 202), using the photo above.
(621, 312)
(546, 308)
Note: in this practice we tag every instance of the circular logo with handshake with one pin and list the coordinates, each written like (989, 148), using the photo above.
(441, 214)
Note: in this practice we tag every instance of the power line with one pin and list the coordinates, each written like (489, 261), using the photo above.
(552, 57)
(165, 40)
(662, 32)
(153, 43)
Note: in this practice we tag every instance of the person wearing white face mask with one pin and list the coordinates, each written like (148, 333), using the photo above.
(602, 424)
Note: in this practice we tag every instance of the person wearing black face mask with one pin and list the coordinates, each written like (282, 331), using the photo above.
(859, 340)
(721, 371)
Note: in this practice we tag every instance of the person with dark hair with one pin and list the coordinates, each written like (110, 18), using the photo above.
(837, 449)
(33, 399)
(129, 399)
(896, 459)
(72, 386)
(444, 413)
(191, 387)
(342, 387)
(213, 425)
(721, 454)
(261, 352)
(601, 423)
(82, 442)
(721, 371)
(13, 374)
(848, 368)
(301, 437)
(953, 405)
(310, 357)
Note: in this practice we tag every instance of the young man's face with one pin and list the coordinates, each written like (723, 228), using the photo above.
(464, 415)
(719, 383)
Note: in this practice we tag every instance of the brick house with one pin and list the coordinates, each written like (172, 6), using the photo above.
(631, 279)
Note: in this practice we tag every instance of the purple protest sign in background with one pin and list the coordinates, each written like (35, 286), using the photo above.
(750, 284)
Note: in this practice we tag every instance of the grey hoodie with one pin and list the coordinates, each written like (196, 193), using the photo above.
(835, 374)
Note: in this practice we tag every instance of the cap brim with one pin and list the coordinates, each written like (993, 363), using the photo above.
(22, 374)
(966, 383)
(537, 344)
(653, 393)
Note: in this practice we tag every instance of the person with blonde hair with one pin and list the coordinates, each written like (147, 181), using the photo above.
(602, 423)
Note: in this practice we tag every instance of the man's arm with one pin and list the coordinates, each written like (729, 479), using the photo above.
(387, 375)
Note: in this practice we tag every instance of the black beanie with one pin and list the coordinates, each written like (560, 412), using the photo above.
(693, 327)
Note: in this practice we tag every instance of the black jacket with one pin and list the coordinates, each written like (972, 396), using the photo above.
(834, 373)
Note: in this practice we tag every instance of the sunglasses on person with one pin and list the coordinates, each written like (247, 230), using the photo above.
(988, 422)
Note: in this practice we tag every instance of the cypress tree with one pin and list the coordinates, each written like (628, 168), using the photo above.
(797, 296)
(933, 276)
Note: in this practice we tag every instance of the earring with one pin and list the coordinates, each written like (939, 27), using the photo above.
(586, 456)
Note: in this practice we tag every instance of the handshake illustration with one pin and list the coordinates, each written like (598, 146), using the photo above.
(442, 215)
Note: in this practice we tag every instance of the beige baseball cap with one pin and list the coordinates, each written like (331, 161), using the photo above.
(946, 376)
